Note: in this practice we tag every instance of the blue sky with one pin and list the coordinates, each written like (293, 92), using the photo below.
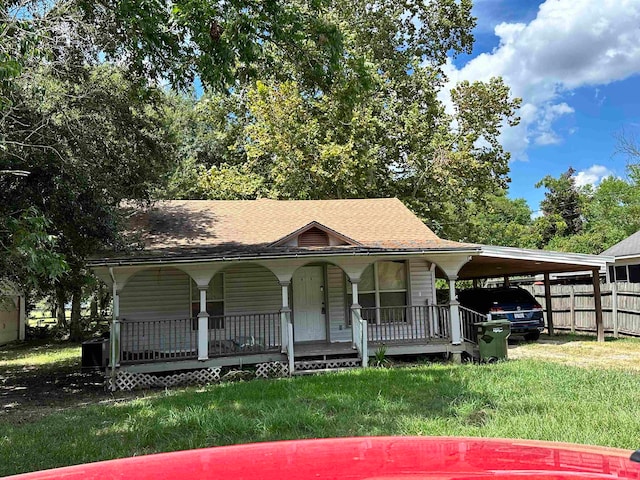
(576, 65)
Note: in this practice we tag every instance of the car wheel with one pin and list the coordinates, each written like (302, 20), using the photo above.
(532, 336)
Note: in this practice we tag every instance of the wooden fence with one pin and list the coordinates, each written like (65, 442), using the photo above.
(573, 307)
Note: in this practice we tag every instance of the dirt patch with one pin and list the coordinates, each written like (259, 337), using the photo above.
(581, 351)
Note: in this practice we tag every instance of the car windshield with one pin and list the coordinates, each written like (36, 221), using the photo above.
(512, 296)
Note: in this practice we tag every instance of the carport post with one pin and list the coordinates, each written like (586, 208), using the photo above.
(549, 307)
(595, 273)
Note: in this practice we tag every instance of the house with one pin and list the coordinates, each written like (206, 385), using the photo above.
(12, 313)
(310, 284)
(626, 264)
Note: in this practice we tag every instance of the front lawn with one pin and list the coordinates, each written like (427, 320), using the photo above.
(521, 398)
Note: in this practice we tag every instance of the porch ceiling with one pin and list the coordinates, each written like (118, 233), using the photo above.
(501, 261)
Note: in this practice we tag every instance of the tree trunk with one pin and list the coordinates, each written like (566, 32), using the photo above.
(75, 327)
(61, 299)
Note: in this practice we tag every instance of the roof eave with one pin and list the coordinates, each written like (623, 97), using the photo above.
(220, 258)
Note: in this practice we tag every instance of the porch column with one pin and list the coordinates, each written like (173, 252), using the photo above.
(203, 325)
(355, 305)
(114, 337)
(598, 304)
(456, 328)
(285, 317)
(548, 304)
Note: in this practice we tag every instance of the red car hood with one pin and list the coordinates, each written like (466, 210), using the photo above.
(366, 458)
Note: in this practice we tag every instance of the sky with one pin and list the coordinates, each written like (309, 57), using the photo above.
(576, 66)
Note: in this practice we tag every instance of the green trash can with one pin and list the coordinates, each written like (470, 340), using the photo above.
(492, 339)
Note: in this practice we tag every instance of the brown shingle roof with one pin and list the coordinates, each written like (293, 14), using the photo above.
(192, 227)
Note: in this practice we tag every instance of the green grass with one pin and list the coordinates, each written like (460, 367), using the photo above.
(41, 354)
(518, 399)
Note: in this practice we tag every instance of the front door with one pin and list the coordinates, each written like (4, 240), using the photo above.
(308, 304)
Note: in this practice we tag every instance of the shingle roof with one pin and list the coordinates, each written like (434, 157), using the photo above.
(193, 227)
(628, 246)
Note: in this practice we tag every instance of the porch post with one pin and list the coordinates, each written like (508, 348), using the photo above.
(598, 304)
(285, 317)
(355, 305)
(456, 329)
(548, 304)
(203, 325)
(114, 334)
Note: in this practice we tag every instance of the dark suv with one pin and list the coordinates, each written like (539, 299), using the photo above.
(513, 304)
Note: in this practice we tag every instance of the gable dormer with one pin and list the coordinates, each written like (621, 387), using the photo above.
(312, 235)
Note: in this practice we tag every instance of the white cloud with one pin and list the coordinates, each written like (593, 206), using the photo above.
(592, 175)
(570, 44)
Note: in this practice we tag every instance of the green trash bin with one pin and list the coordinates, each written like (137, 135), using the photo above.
(492, 339)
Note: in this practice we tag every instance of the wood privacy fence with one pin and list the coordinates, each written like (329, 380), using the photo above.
(573, 307)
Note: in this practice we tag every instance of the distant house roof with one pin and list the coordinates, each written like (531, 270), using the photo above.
(628, 247)
(179, 228)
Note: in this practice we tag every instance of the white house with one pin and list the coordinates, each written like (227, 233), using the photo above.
(306, 283)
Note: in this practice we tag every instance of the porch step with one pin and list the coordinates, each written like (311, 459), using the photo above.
(302, 367)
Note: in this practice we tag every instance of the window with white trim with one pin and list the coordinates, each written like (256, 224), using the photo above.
(383, 285)
(215, 302)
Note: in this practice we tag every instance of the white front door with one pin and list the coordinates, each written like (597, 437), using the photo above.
(308, 304)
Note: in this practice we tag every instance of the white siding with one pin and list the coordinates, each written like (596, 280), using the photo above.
(420, 282)
(156, 293)
(9, 320)
(251, 289)
(340, 332)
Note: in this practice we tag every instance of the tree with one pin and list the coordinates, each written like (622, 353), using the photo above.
(498, 220)
(100, 140)
(562, 206)
(389, 136)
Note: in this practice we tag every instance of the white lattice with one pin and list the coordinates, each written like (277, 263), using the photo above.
(237, 375)
(132, 380)
(272, 370)
(327, 364)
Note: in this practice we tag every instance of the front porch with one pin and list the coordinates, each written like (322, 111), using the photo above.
(154, 345)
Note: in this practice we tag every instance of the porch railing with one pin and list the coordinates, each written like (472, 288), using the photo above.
(161, 340)
(359, 332)
(469, 318)
(246, 333)
(158, 340)
(408, 324)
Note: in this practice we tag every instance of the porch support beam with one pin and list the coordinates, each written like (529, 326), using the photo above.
(548, 304)
(203, 325)
(285, 317)
(598, 304)
(114, 333)
(454, 306)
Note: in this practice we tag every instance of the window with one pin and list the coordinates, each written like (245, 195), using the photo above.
(215, 302)
(383, 284)
(621, 273)
(634, 273)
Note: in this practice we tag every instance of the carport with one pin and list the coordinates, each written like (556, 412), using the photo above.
(505, 262)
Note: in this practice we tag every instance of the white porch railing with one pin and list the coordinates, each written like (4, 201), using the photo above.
(469, 318)
(360, 337)
(408, 324)
(162, 340)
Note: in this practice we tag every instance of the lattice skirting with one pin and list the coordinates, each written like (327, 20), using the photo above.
(272, 370)
(133, 380)
(327, 364)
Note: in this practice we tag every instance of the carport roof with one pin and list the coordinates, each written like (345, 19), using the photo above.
(494, 261)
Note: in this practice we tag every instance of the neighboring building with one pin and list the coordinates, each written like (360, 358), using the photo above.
(12, 313)
(626, 265)
(306, 283)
